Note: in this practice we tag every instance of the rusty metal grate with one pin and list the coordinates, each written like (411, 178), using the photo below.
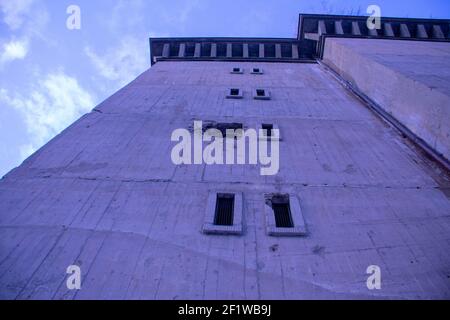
(283, 217)
(224, 214)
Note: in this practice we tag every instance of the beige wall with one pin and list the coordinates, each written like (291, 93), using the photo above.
(408, 79)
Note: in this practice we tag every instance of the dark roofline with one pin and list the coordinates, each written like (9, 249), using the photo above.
(313, 29)
(318, 27)
(224, 39)
(231, 49)
(303, 16)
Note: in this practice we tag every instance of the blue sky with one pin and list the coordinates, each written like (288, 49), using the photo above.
(50, 75)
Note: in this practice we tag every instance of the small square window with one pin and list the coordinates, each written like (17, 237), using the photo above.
(261, 94)
(237, 70)
(257, 71)
(234, 93)
(223, 213)
(284, 216)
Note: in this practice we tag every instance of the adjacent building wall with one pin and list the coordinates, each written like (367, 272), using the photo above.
(409, 79)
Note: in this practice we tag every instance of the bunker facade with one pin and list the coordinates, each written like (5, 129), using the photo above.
(363, 119)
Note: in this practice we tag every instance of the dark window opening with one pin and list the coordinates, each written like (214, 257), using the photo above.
(269, 50)
(174, 49)
(253, 50)
(347, 27)
(268, 128)
(286, 50)
(282, 212)
(234, 92)
(190, 49)
(224, 214)
(221, 49)
(396, 28)
(222, 127)
(157, 50)
(261, 92)
(237, 50)
(205, 50)
(257, 71)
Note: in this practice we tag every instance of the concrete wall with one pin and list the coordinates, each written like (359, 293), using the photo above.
(105, 195)
(409, 79)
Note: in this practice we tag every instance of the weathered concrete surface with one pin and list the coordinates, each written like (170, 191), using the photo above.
(408, 79)
(105, 195)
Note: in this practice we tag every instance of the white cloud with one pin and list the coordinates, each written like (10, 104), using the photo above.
(26, 21)
(123, 63)
(13, 50)
(126, 8)
(49, 108)
(15, 11)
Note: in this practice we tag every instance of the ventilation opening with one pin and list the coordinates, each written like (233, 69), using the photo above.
(268, 128)
(347, 27)
(261, 94)
(286, 50)
(396, 28)
(157, 50)
(224, 214)
(234, 92)
(253, 50)
(257, 71)
(237, 50)
(190, 49)
(174, 49)
(282, 211)
(221, 49)
(236, 70)
(222, 127)
(269, 50)
(206, 50)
